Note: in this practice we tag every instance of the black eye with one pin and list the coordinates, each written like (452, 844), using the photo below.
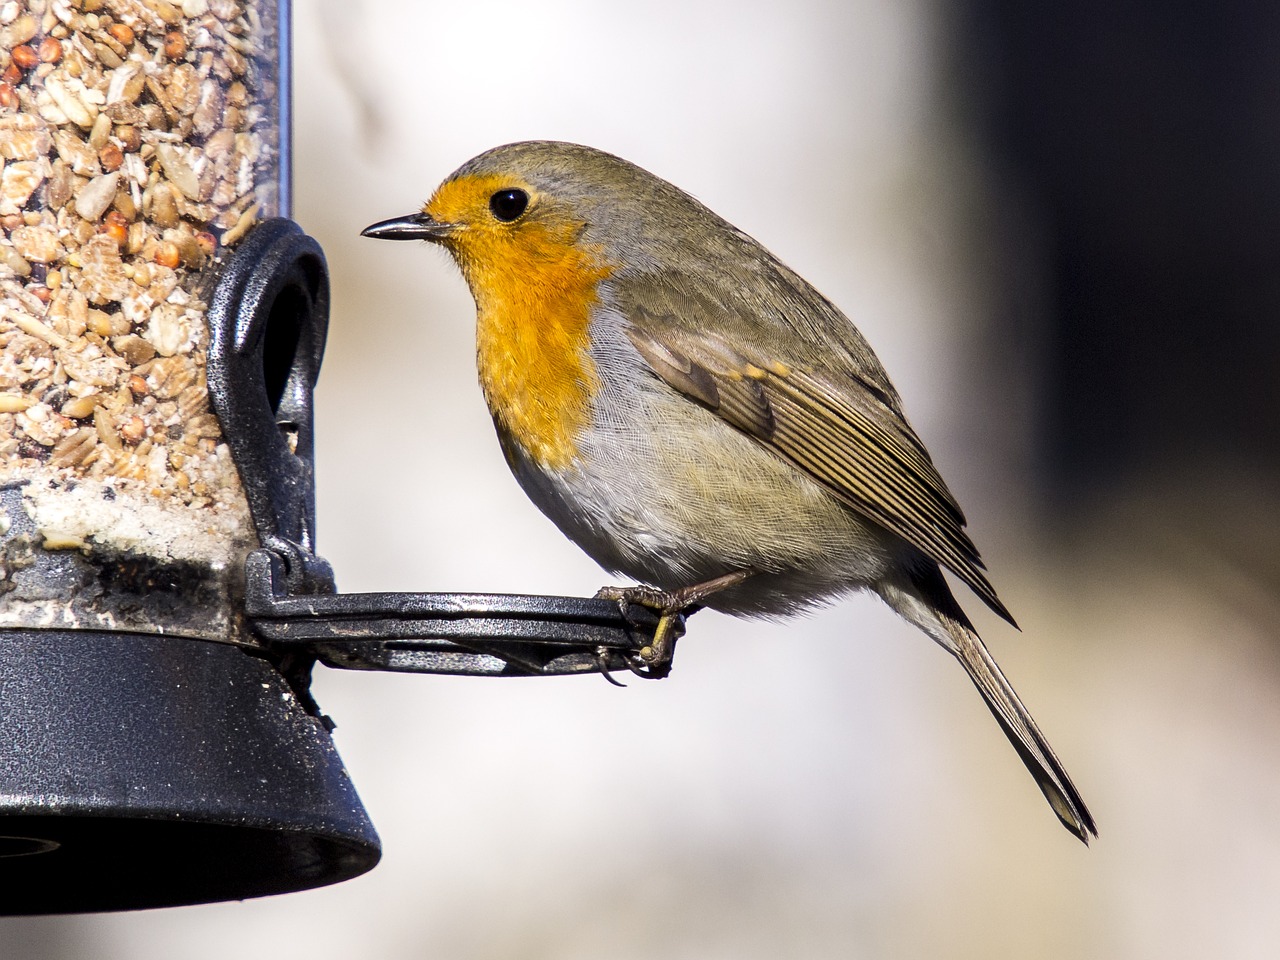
(507, 205)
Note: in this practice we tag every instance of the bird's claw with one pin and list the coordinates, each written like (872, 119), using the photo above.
(653, 660)
(602, 664)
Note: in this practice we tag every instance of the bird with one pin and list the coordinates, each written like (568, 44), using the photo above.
(698, 418)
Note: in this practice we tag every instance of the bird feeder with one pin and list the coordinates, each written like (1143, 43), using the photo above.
(162, 603)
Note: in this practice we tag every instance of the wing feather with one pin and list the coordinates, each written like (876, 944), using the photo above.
(839, 425)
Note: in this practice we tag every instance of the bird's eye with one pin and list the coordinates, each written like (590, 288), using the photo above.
(507, 205)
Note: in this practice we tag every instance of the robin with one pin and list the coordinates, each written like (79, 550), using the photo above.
(697, 417)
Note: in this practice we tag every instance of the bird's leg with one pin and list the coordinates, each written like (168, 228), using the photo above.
(670, 605)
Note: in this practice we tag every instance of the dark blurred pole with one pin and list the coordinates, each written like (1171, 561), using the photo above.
(1147, 140)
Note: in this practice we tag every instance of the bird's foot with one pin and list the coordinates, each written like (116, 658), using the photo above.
(653, 660)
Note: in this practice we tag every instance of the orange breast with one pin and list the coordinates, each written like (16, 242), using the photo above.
(534, 289)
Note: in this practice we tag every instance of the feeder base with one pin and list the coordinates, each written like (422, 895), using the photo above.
(144, 771)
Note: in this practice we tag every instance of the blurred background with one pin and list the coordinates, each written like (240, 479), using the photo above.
(1058, 227)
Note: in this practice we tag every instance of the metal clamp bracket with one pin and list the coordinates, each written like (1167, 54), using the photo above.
(268, 318)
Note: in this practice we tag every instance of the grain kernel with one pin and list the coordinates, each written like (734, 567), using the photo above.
(129, 137)
(133, 430)
(175, 44)
(50, 50)
(111, 156)
(15, 403)
(24, 57)
(99, 323)
(167, 254)
(80, 408)
(207, 243)
(116, 227)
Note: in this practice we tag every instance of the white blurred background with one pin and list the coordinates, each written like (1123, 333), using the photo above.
(830, 787)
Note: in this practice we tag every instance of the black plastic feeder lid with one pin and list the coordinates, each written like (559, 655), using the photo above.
(145, 771)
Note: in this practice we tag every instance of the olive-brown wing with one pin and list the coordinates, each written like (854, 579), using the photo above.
(838, 427)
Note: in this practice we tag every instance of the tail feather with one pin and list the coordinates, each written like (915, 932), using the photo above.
(927, 602)
(1021, 729)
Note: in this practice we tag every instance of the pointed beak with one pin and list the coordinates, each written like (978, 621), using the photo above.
(416, 226)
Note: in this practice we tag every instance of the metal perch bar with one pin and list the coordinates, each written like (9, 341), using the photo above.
(470, 634)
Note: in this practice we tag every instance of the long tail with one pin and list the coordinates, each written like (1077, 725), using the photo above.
(1021, 729)
(940, 609)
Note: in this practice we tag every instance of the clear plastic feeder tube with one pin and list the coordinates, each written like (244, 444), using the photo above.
(140, 141)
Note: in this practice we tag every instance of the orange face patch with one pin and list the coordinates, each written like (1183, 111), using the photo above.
(534, 288)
